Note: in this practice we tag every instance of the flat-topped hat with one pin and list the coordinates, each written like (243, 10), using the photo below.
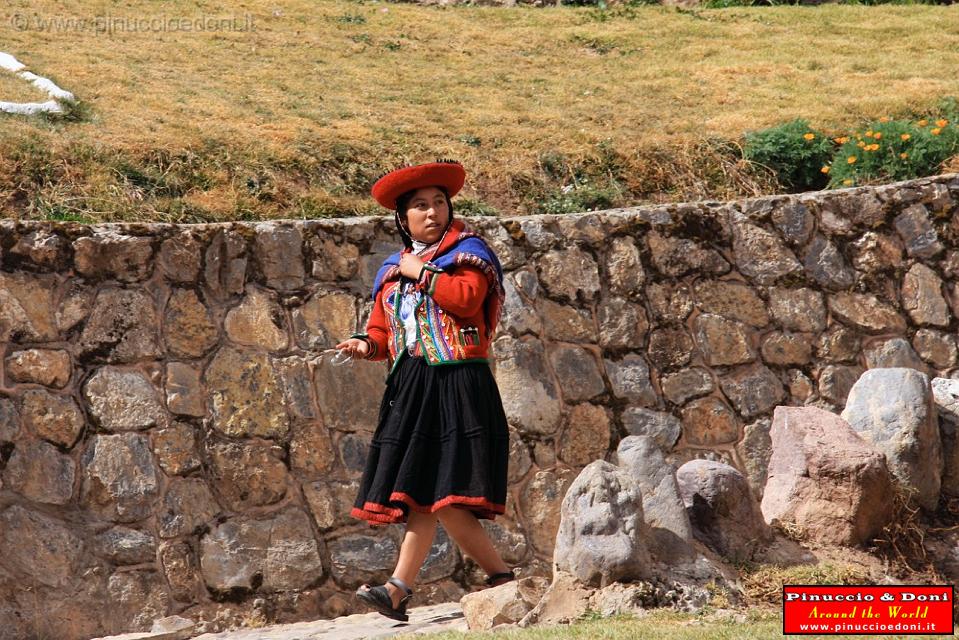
(448, 174)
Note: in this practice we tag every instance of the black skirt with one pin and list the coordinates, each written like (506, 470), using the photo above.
(441, 439)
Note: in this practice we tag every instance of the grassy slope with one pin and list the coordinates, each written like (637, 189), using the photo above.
(296, 118)
(14, 89)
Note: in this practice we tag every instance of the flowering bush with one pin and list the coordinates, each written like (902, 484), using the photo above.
(795, 151)
(883, 150)
(893, 150)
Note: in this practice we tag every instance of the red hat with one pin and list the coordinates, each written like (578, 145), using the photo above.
(443, 173)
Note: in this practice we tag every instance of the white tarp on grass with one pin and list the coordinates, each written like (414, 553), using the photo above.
(11, 64)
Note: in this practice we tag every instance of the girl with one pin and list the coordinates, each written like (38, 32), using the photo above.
(441, 447)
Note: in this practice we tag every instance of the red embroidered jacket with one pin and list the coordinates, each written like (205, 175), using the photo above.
(453, 320)
(450, 319)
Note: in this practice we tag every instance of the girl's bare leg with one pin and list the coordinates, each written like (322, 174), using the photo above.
(471, 537)
(420, 529)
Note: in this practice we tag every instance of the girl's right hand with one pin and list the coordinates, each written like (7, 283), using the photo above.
(355, 347)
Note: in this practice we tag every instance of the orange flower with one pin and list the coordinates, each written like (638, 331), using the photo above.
(809, 136)
(871, 147)
(877, 135)
(884, 119)
(847, 182)
(861, 144)
(941, 123)
(936, 131)
(923, 122)
(851, 159)
(869, 133)
(903, 155)
(905, 136)
(825, 169)
(842, 139)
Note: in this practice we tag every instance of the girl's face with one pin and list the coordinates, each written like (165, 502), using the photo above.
(427, 214)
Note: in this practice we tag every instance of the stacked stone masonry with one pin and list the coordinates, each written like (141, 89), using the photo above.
(172, 443)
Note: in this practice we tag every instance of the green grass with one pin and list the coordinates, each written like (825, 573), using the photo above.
(556, 108)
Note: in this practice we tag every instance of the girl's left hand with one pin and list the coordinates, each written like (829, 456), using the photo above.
(410, 265)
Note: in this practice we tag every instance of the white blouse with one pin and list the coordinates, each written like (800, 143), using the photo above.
(410, 299)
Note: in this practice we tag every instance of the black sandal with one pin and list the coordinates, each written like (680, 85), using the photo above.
(378, 597)
(496, 576)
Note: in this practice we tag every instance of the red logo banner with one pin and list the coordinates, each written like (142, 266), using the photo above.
(868, 609)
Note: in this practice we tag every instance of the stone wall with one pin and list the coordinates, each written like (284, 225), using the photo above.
(171, 442)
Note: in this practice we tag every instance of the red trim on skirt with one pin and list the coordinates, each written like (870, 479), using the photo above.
(378, 514)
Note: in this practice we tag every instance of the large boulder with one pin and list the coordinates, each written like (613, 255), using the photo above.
(505, 604)
(602, 534)
(721, 509)
(663, 507)
(946, 396)
(565, 600)
(825, 478)
(893, 409)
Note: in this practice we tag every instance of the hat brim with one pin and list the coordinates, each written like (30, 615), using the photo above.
(449, 175)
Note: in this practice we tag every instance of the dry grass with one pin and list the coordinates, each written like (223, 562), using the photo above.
(295, 118)
(14, 89)
(765, 584)
(901, 541)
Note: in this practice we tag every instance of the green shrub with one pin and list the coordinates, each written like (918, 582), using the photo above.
(554, 164)
(948, 108)
(583, 196)
(585, 3)
(473, 207)
(62, 214)
(620, 11)
(73, 111)
(794, 151)
(351, 18)
(471, 140)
